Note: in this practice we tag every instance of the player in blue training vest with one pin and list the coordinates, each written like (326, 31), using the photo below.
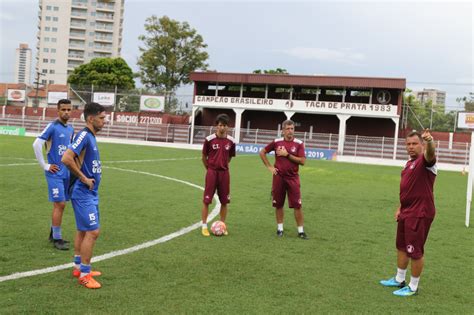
(83, 160)
(56, 137)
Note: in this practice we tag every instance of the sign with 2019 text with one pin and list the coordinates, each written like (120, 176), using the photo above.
(317, 154)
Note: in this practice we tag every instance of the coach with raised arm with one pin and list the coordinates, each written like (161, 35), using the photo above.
(416, 211)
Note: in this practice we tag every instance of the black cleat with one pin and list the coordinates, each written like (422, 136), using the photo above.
(303, 236)
(61, 244)
(279, 233)
(51, 235)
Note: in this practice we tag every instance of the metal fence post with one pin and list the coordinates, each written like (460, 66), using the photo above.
(383, 142)
(467, 154)
(167, 130)
(355, 147)
(304, 138)
(330, 137)
(256, 135)
(146, 131)
(126, 136)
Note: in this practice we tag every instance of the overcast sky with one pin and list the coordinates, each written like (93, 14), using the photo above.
(428, 43)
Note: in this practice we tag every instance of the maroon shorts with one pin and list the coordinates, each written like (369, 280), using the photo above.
(281, 186)
(412, 234)
(219, 180)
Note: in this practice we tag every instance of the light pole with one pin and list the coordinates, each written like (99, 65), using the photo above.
(431, 117)
(36, 103)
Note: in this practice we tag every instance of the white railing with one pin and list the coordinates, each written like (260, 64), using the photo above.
(358, 146)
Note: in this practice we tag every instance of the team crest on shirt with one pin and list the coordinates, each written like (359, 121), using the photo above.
(227, 147)
(412, 166)
(293, 149)
(61, 135)
(410, 249)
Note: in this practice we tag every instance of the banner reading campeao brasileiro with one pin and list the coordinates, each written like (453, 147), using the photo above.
(12, 131)
(317, 154)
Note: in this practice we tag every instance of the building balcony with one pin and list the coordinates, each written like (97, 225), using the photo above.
(79, 5)
(106, 49)
(104, 28)
(104, 18)
(105, 7)
(77, 46)
(75, 57)
(77, 36)
(77, 15)
(104, 39)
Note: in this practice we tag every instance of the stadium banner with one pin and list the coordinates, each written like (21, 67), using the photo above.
(323, 107)
(16, 95)
(105, 99)
(466, 120)
(315, 154)
(152, 103)
(12, 131)
(54, 97)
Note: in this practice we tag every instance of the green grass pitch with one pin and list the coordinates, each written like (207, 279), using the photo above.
(348, 216)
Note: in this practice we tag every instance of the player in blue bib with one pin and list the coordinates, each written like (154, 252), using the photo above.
(55, 138)
(83, 160)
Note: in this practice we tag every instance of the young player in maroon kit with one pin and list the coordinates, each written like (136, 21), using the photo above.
(416, 211)
(289, 154)
(217, 151)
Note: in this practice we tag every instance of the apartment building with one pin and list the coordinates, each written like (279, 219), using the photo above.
(23, 64)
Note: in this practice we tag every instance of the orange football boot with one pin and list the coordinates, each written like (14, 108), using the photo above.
(89, 282)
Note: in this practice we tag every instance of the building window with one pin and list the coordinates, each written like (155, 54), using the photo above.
(48, 7)
(45, 71)
(51, 71)
(92, 13)
(56, 8)
(91, 33)
(55, 29)
(53, 39)
(92, 23)
(47, 28)
(44, 82)
(46, 49)
(55, 18)
(48, 18)
(53, 50)
(51, 81)
(46, 39)
(91, 44)
(53, 60)
(45, 60)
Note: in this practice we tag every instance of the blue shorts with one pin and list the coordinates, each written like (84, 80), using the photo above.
(58, 189)
(86, 212)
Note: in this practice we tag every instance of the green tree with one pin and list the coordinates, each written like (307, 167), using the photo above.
(103, 72)
(468, 102)
(418, 116)
(171, 51)
(271, 71)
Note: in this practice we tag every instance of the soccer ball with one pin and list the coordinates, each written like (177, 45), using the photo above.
(218, 228)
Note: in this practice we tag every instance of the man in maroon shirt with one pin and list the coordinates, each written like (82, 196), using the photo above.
(217, 151)
(289, 154)
(416, 211)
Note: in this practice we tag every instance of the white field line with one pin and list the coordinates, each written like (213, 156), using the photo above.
(129, 250)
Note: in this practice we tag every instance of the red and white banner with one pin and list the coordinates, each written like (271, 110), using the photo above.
(16, 95)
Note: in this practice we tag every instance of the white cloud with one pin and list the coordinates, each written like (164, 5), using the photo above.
(325, 54)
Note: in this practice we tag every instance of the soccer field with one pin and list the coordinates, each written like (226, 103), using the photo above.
(348, 216)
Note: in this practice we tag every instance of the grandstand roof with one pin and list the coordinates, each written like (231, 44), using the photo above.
(301, 80)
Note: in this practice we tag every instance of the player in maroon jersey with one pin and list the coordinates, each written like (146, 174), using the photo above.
(217, 151)
(289, 154)
(416, 211)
